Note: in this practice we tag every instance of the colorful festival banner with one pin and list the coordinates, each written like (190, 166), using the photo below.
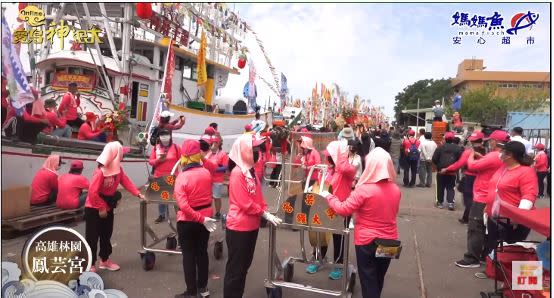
(84, 82)
(201, 61)
(20, 90)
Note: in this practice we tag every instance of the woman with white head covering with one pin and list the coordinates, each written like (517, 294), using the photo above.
(375, 201)
(102, 198)
(246, 207)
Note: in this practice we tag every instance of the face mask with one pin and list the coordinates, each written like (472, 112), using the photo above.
(165, 140)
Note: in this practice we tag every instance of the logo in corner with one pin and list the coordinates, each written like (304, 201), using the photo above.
(521, 21)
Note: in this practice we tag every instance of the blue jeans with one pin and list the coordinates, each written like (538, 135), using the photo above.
(82, 199)
(162, 209)
(63, 132)
(100, 138)
(371, 270)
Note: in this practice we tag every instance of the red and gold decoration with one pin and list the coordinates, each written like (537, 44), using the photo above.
(144, 10)
(112, 122)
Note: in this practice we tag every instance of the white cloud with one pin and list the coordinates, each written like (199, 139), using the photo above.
(375, 50)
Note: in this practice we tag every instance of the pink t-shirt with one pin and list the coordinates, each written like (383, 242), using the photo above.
(44, 183)
(107, 186)
(70, 187)
(484, 168)
(86, 132)
(245, 207)
(163, 168)
(220, 158)
(462, 162)
(513, 186)
(376, 207)
(68, 106)
(193, 188)
(541, 162)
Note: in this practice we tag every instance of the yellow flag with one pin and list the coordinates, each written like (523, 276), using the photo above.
(201, 61)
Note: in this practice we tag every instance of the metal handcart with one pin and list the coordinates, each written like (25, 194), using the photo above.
(305, 211)
(160, 191)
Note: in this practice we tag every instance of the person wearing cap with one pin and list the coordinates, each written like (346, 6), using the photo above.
(248, 129)
(517, 135)
(443, 157)
(102, 198)
(58, 125)
(72, 187)
(89, 131)
(426, 151)
(438, 111)
(484, 167)
(257, 124)
(346, 134)
(193, 194)
(515, 184)
(44, 188)
(375, 201)
(163, 158)
(218, 157)
(246, 208)
(69, 105)
(165, 123)
(411, 153)
(541, 167)
(476, 140)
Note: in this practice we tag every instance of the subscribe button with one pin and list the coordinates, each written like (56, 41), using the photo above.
(56, 253)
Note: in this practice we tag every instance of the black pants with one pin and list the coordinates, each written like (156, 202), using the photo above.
(445, 183)
(28, 131)
(193, 239)
(469, 180)
(371, 270)
(75, 123)
(410, 178)
(507, 232)
(338, 244)
(275, 174)
(548, 181)
(541, 176)
(99, 228)
(475, 234)
(241, 246)
(51, 199)
(437, 119)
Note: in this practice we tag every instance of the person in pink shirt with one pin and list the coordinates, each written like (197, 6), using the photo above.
(246, 208)
(72, 187)
(44, 188)
(69, 105)
(165, 122)
(89, 131)
(476, 140)
(343, 175)
(484, 167)
(308, 157)
(218, 157)
(375, 201)
(102, 198)
(58, 125)
(193, 194)
(515, 183)
(541, 167)
(163, 158)
(411, 153)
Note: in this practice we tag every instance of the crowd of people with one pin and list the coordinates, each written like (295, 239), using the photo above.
(362, 168)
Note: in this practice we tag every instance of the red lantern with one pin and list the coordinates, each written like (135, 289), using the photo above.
(144, 10)
(22, 6)
(242, 61)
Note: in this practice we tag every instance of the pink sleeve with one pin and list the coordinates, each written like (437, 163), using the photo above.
(209, 165)
(246, 202)
(86, 130)
(83, 183)
(462, 161)
(311, 159)
(65, 101)
(224, 159)
(94, 190)
(181, 197)
(128, 184)
(541, 161)
(528, 185)
(153, 161)
(30, 118)
(481, 164)
(343, 166)
(348, 206)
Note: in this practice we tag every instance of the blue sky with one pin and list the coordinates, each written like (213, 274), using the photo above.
(377, 49)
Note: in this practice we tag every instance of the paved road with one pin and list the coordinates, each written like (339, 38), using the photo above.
(441, 240)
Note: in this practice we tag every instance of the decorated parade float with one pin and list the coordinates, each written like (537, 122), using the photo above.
(130, 62)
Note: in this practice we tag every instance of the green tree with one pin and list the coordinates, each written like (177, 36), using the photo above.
(485, 106)
(427, 91)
